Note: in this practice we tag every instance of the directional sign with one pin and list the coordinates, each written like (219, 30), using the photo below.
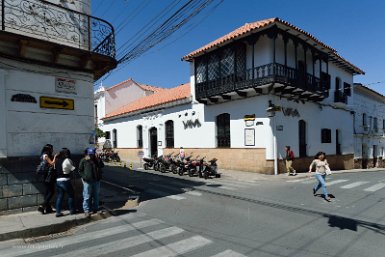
(56, 103)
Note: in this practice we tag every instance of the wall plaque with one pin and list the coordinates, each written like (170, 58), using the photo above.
(63, 85)
(249, 137)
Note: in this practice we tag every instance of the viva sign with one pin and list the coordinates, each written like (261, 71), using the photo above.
(191, 124)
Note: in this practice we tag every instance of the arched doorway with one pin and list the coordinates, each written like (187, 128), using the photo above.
(154, 142)
(302, 138)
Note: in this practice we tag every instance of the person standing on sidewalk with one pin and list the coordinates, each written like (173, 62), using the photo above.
(321, 169)
(289, 161)
(63, 183)
(90, 169)
(49, 178)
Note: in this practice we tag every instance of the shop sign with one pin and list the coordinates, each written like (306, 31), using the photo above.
(56, 103)
(63, 85)
(290, 112)
(249, 120)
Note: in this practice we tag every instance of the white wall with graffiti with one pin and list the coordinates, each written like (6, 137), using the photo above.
(195, 126)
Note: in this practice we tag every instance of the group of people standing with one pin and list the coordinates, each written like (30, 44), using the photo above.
(319, 165)
(58, 178)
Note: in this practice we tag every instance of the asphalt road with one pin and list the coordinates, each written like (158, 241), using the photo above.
(223, 217)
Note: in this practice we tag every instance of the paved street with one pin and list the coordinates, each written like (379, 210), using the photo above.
(268, 216)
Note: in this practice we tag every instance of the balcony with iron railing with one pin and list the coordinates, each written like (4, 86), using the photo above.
(44, 25)
(340, 97)
(276, 73)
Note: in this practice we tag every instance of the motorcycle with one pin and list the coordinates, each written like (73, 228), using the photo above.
(165, 163)
(149, 163)
(195, 167)
(183, 165)
(210, 169)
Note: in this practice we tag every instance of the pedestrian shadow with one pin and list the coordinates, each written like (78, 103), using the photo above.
(342, 223)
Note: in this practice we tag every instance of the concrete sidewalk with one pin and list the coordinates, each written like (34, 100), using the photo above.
(34, 224)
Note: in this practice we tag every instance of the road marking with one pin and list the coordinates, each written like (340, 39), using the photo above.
(176, 197)
(355, 184)
(333, 182)
(16, 251)
(108, 248)
(375, 187)
(229, 253)
(227, 188)
(194, 193)
(177, 248)
(297, 180)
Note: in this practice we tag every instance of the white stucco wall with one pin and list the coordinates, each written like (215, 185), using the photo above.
(28, 126)
(365, 138)
(122, 95)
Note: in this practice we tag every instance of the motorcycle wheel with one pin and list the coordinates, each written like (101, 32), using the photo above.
(206, 175)
(156, 166)
(180, 171)
(146, 166)
(174, 170)
(162, 168)
(191, 173)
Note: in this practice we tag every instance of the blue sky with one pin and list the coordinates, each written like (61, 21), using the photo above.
(355, 28)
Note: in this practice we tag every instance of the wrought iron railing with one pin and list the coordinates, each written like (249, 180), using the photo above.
(340, 97)
(261, 75)
(50, 22)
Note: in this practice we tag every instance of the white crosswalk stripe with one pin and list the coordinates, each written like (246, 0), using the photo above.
(334, 182)
(194, 193)
(375, 187)
(229, 253)
(84, 237)
(177, 248)
(176, 197)
(102, 249)
(354, 184)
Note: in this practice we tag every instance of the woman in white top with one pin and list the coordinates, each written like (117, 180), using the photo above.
(63, 182)
(321, 168)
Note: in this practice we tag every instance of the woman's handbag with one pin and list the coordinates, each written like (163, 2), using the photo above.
(328, 171)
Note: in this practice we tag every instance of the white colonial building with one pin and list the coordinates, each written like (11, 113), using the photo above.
(369, 127)
(263, 86)
(50, 54)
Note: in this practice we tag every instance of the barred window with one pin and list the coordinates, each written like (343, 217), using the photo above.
(213, 67)
(223, 130)
(326, 136)
(114, 138)
(169, 134)
(347, 89)
(227, 62)
(139, 134)
(200, 71)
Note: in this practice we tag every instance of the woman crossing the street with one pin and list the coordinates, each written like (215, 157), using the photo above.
(321, 170)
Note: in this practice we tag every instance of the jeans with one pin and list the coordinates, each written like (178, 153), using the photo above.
(63, 187)
(321, 183)
(91, 190)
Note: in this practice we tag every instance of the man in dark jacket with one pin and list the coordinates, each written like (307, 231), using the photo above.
(289, 161)
(90, 169)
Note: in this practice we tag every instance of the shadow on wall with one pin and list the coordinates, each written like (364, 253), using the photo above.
(23, 190)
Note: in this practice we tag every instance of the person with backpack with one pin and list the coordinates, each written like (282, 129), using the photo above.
(64, 166)
(49, 177)
(289, 161)
(90, 169)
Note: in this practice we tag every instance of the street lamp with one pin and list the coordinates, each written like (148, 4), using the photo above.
(271, 110)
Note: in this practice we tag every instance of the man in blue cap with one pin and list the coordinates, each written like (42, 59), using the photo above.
(90, 169)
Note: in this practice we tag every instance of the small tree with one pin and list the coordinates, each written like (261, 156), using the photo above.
(99, 133)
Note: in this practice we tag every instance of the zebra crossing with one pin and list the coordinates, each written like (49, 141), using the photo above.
(145, 237)
(366, 186)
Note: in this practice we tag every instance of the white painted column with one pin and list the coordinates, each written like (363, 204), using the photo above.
(3, 116)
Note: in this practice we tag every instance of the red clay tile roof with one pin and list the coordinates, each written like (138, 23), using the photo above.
(161, 97)
(151, 88)
(250, 28)
(143, 86)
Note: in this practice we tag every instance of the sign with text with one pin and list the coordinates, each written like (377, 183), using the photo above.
(63, 85)
(56, 103)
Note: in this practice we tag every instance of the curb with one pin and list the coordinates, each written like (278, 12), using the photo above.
(53, 228)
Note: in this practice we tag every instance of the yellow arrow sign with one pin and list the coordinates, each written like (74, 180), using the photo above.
(56, 103)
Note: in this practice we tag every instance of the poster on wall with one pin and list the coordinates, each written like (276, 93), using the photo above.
(63, 85)
(249, 137)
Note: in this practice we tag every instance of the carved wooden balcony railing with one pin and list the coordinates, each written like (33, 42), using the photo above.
(259, 76)
(50, 22)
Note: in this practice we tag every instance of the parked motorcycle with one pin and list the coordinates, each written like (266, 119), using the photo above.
(183, 165)
(210, 169)
(149, 163)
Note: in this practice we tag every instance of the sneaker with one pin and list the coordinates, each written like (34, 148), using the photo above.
(40, 209)
(59, 215)
(314, 191)
(294, 173)
(327, 199)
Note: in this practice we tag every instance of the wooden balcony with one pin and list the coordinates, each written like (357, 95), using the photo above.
(44, 33)
(271, 78)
